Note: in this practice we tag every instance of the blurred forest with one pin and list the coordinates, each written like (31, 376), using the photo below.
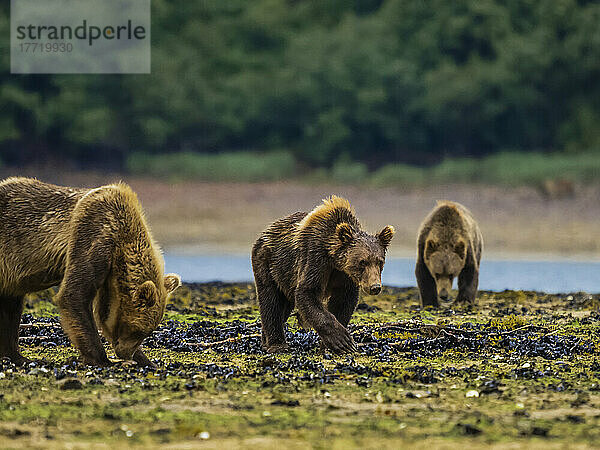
(370, 81)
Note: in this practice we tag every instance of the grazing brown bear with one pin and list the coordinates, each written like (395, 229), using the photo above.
(449, 245)
(97, 245)
(312, 259)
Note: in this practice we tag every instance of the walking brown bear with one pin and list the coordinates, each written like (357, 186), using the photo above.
(449, 245)
(97, 245)
(310, 260)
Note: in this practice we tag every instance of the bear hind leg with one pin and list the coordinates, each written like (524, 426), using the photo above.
(11, 309)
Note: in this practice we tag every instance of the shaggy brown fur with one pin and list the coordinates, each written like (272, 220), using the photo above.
(310, 260)
(449, 245)
(97, 245)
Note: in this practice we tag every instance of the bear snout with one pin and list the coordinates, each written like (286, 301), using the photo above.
(375, 289)
(443, 294)
(124, 353)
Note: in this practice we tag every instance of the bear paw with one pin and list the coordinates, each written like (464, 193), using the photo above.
(278, 348)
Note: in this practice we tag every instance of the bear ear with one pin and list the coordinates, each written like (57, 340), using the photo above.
(172, 282)
(146, 294)
(385, 236)
(344, 233)
(459, 249)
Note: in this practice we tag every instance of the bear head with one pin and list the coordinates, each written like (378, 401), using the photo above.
(133, 313)
(362, 255)
(445, 255)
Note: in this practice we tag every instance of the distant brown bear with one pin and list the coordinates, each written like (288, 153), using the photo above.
(449, 245)
(97, 245)
(313, 259)
(558, 188)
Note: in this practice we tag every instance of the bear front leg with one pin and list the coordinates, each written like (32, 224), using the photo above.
(333, 334)
(11, 309)
(468, 280)
(427, 286)
(274, 312)
(342, 303)
(78, 322)
(87, 268)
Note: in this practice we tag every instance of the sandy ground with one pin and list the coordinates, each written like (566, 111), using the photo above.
(227, 217)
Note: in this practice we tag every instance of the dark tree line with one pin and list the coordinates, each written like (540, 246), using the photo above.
(373, 80)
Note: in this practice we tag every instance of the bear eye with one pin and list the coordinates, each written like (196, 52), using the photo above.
(363, 263)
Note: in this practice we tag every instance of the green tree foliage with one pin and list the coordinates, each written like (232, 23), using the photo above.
(374, 81)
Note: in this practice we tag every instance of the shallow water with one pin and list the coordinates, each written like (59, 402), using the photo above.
(495, 275)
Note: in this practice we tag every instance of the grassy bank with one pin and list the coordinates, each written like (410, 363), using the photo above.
(521, 370)
(508, 168)
(241, 167)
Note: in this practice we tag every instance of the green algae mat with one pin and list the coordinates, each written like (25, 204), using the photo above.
(520, 370)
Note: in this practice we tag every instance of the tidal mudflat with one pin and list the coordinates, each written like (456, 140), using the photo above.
(519, 369)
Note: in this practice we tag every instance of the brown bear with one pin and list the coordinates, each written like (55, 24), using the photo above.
(97, 245)
(313, 259)
(554, 189)
(449, 245)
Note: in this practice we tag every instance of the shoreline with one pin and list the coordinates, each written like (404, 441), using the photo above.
(495, 275)
(238, 251)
